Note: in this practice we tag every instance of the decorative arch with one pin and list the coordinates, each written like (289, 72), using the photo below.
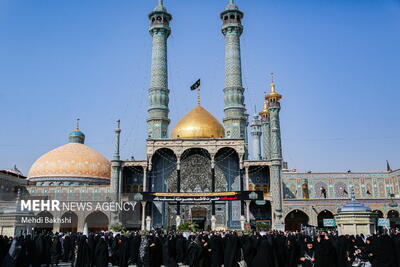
(158, 152)
(227, 159)
(295, 219)
(260, 175)
(132, 178)
(193, 150)
(325, 214)
(393, 216)
(225, 148)
(260, 212)
(97, 221)
(71, 226)
(378, 213)
(321, 190)
(164, 164)
(341, 190)
(195, 171)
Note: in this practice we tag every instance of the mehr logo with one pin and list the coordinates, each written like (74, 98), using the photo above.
(40, 205)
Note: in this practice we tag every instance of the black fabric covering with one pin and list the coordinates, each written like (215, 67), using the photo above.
(232, 252)
(101, 254)
(325, 254)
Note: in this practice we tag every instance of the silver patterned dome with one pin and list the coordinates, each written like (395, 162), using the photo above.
(354, 206)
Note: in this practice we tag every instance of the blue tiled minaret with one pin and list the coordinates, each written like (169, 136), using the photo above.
(235, 117)
(255, 127)
(158, 121)
(274, 108)
(266, 131)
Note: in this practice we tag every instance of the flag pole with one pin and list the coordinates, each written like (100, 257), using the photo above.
(198, 95)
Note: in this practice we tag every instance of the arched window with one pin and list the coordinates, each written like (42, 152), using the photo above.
(305, 192)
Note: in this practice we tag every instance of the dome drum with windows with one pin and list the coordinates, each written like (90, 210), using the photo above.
(71, 164)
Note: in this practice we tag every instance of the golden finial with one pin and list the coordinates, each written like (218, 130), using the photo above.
(77, 124)
(273, 93)
(264, 112)
(272, 83)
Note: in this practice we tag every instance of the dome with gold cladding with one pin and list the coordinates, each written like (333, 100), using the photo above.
(198, 123)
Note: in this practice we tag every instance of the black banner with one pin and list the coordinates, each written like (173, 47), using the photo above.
(195, 85)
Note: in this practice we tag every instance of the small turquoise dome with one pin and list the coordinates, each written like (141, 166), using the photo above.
(76, 137)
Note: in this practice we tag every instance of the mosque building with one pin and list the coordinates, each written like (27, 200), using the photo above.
(201, 170)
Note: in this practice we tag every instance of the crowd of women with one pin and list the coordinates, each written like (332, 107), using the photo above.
(203, 249)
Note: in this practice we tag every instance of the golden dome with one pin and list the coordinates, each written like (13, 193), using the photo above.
(265, 112)
(273, 93)
(73, 160)
(198, 123)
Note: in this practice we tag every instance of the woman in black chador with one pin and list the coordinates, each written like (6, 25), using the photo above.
(83, 254)
(232, 252)
(67, 246)
(150, 253)
(291, 252)
(325, 254)
(180, 245)
(264, 256)
(55, 251)
(169, 251)
(307, 256)
(198, 254)
(101, 253)
(216, 247)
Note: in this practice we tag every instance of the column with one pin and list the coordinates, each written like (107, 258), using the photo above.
(248, 202)
(143, 215)
(178, 187)
(144, 179)
(246, 171)
(213, 217)
(242, 213)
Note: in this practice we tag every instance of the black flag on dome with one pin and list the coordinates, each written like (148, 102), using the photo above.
(195, 85)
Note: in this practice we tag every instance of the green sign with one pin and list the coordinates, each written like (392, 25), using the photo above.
(383, 222)
(329, 223)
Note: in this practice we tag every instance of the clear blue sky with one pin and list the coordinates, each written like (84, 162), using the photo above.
(336, 64)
